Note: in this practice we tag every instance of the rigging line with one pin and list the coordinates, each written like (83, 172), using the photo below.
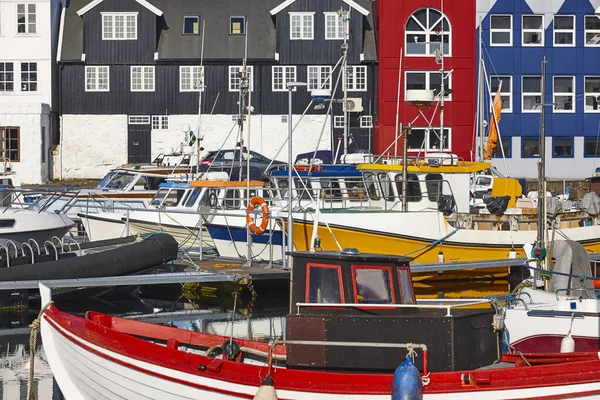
(221, 148)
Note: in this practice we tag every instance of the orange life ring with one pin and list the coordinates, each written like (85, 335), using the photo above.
(257, 201)
(596, 284)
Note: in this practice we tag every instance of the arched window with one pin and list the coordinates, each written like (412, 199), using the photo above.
(425, 31)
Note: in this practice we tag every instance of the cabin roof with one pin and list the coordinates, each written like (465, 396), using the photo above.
(318, 172)
(227, 184)
(185, 185)
(349, 256)
(461, 168)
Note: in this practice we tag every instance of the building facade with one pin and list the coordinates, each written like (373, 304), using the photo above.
(28, 36)
(409, 33)
(516, 36)
(132, 73)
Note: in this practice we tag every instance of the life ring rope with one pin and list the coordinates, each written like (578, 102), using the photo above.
(257, 201)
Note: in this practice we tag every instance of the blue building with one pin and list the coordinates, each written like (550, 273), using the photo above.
(516, 35)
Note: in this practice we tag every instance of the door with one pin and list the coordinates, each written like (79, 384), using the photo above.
(138, 139)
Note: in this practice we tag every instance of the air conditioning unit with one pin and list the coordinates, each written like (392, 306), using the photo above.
(353, 104)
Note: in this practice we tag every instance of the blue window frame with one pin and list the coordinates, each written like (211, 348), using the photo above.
(591, 147)
(506, 145)
(530, 147)
(562, 147)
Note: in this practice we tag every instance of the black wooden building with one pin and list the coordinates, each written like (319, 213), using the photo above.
(142, 58)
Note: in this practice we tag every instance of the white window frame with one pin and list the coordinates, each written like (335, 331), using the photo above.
(340, 28)
(287, 73)
(501, 30)
(234, 69)
(529, 94)
(112, 34)
(144, 70)
(139, 120)
(160, 122)
(588, 94)
(196, 74)
(447, 134)
(322, 80)
(197, 26)
(29, 81)
(428, 74)
(353, 85)
(541, 31)
(556, 94)
(28, 22)
(339, 121)
(96, 78)
(304, 17)
(505, 92)
(366, 121)
(428, 31)
(586, 31)
(572, 31)
(5, 81)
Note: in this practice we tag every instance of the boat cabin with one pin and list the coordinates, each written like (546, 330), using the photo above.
(350, 297)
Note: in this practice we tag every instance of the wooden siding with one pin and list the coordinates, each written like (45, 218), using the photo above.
(140, 51)
(318, 50)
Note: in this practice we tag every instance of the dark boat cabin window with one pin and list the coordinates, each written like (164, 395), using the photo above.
(232, 199)
(303, 189)
(386, 187)
(7, 223)
(373, 285)
(434, 186)
(159, 196)
(413, 187)
(173, 198)
(192, 198)
(324, 283)
(356, 189)
(407, 295)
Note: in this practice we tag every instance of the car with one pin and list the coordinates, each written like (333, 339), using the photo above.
(229, 161)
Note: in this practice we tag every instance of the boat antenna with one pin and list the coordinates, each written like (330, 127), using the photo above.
(200, 91)
(540, 248)
(244, 89)
(442, 77)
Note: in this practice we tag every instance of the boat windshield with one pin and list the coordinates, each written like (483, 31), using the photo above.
(106, 179)
(159, 196)
(119, 180)
(174, 197)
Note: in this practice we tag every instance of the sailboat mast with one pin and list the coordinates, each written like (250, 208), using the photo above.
(541, 234)
(481, 102)
(200, 91)
(345, 16)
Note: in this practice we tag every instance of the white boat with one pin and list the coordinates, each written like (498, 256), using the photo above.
(19, 225)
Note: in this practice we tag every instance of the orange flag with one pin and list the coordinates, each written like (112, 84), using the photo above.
(492, 139)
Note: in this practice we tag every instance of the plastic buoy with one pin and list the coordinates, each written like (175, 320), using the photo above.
(440, 257)
(407, 383)
(266, 391)
(567, 345)
(512, 254)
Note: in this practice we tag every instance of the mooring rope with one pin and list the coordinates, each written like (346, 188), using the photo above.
(35, 325)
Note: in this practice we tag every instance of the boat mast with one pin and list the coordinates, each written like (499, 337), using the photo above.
(442, 87)
(244, 89)
(540, 249)
(200, 91)
(480, 105)
(345, 16)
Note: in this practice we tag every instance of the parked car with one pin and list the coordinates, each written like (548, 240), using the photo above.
(229, 161)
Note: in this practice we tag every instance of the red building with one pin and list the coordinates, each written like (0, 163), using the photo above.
(418, 28)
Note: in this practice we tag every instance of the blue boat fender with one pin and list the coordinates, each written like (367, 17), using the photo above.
(407, 383)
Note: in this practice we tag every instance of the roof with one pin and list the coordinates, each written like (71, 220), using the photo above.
(94, 3)
(461, 168)
(351, 3)
(226, 184)
(71, 45)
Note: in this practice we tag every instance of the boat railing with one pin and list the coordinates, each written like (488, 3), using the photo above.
(441, 304)
(567, 290)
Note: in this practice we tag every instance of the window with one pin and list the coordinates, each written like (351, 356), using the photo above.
(96, 79)
(281, 76)
(564, 30)
(533, 30)
(139, 120)
(407, 295)
(142, 79)
(319, 77)
(119, 26)
(235, 78)
(413, 188)
(530, 148)
(160, 122)
(425, 31)
(26, 19)
(433, 183)
(190, 25)
(302, 26)
(501, 30)
(427, 80)
(338, 121)
(532, 94)
(591, 147)
(430, 137)
(7, 77)
(505, 91)
(191, 79)
(562, 147)
(28, 77)
(506, 146)
(335, 29)
(592, 30)
(10, 142)
(237, 25)
(373, 285)
(357, 78)
(366, 121)
(564, 94)
(324, 283)
(592, 93)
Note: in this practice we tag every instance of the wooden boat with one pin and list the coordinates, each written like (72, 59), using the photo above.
(353, 319)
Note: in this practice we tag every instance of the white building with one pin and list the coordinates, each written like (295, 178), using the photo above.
(28, 30)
